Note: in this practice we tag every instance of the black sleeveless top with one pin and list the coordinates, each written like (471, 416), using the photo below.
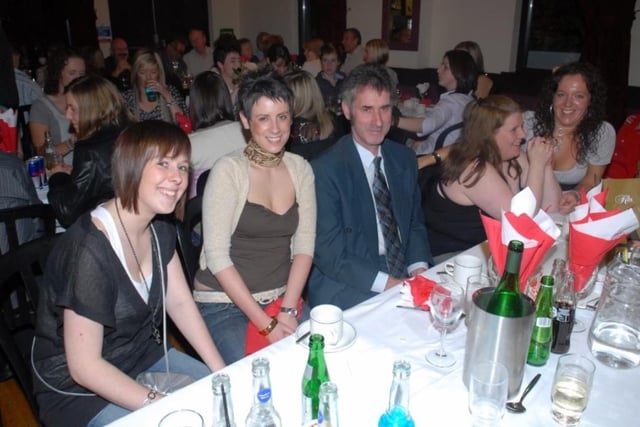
(451, 227)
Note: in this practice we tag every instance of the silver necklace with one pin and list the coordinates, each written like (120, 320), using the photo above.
(155, 331)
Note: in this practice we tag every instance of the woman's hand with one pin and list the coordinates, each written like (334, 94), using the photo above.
(568, 201)
(539, 151)
(286, 326)
(160, 88)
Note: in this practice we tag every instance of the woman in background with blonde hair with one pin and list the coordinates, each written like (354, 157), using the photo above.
(312, 130)
(376, 51)
(97, 114)
(150, 98)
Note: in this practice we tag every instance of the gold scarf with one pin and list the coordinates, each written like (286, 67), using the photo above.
(256, 154)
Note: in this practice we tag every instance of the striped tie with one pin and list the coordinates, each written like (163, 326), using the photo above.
(392, 244)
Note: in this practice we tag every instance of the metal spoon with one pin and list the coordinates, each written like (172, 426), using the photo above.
(518, 407)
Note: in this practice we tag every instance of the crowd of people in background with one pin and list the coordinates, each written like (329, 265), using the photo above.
(301, 187)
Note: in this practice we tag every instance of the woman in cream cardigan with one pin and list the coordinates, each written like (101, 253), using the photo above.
(259, 218)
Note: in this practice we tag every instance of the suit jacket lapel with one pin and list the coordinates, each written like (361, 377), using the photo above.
(362, 202)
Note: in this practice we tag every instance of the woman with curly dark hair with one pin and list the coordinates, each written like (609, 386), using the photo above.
(570, 115)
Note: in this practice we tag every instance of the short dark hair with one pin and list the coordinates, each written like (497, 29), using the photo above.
(356, 33)
(262, 84)
(328, 49)
(209, 100)
(278, 51)
(134, 148)
(366, 75)
(223, 49)
(464, 69)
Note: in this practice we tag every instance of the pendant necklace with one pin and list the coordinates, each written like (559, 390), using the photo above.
(155, 331)
(558, 138)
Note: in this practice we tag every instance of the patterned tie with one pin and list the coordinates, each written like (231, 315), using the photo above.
(392, 244)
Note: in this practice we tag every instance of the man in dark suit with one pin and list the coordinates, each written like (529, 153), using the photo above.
(370, 235)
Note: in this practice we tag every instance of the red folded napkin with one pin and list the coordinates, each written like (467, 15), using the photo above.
(421, 288)
(594, 231)
(537, 242)
(254, 341)
(8, 131)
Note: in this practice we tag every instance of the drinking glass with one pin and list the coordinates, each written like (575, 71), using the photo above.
(182, 418)
(475, 282)
(488, 390)
(571, 388)
(445, 304)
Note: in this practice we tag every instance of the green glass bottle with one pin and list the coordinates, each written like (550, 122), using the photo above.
(315, 374)
(541, 337)
(507, 300)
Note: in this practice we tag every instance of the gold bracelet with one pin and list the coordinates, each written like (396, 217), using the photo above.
(270, 327)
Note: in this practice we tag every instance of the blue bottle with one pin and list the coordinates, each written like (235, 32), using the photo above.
(397, 415)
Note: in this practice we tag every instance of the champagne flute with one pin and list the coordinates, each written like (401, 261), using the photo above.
(445, 304)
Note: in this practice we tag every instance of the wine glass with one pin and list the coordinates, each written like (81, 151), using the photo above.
(446, 304)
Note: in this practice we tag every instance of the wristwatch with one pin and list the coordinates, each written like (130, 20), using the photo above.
(290, 311)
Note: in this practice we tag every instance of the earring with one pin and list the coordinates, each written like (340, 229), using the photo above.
(551, 109)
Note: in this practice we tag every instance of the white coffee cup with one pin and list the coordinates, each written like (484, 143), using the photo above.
(326, 320)
(462, 267)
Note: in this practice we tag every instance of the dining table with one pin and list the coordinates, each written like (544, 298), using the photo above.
(362, 370)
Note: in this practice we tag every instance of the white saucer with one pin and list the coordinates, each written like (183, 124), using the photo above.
(348, 337)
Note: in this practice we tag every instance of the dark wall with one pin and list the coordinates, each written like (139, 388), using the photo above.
(133, 20)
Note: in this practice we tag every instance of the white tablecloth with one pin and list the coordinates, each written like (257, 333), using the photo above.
(363, 375)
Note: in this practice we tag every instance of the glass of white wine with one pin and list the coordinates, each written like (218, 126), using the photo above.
(571, 388)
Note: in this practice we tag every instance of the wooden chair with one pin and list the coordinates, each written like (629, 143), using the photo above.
(20, 272)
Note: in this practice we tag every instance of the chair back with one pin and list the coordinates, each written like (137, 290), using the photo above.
(28, 149)
(190, 238)
(10, 219)
(20, 272)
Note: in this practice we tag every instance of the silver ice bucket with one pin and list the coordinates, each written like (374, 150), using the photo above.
(498, 339)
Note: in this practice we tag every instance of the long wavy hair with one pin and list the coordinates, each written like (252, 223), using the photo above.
(477, 142)
(307, 101)
(58, 59)
(588, 129)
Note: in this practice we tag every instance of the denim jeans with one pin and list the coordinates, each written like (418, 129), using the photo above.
(179, 363)
(228, 327)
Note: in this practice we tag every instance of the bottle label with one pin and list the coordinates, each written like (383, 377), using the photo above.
(264, 395)
(563, 314)
(543, 322)
(308, 371)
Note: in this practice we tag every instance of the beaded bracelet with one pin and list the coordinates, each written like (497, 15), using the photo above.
(270, 327)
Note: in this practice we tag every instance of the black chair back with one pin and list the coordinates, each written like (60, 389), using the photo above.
(10, 217)
(189, 239)
(28, 149)
(20, 272)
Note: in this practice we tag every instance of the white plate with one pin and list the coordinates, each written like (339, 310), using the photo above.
(347, 340)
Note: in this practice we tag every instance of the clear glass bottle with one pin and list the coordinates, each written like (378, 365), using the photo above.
(564, 303)
(262, 413)
(315, 373)
(222, 407)
(542, 334)
(507, 300)
(397, 414)
(328, 410)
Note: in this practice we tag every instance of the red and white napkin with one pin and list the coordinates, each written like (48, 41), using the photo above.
(594, 231)
(415, 292)
(537, 231)
(8, 135)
